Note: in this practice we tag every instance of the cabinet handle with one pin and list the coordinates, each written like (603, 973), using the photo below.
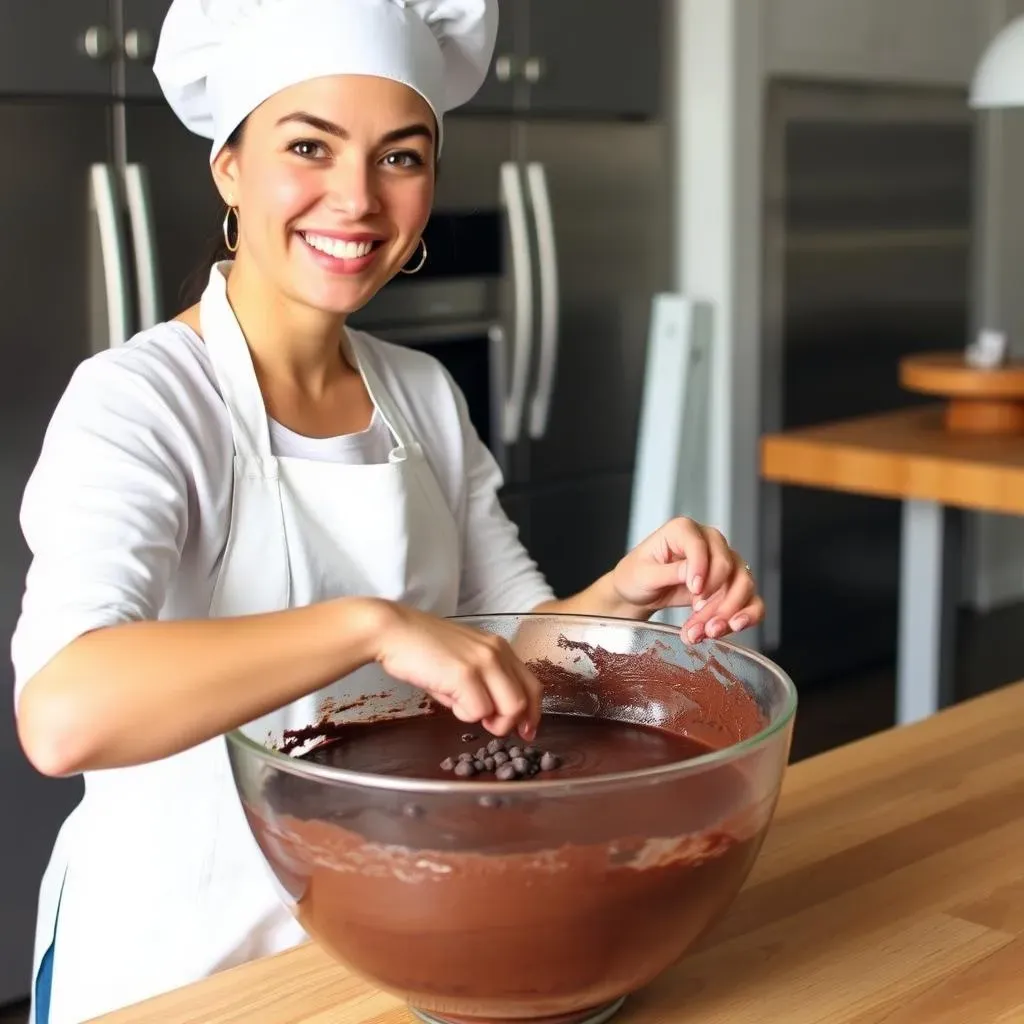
(505, 68)
(140, 213)
(112, 274)
(547, 252)
(513, 201)
(96, 42)
(534, 70)
(138, 45)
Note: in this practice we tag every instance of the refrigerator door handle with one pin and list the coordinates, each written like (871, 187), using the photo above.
(147, 276)
(513, 201)
(103, 201)
(544, 223)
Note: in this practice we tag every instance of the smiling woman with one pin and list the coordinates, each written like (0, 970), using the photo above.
(252, 500)
(332, 181)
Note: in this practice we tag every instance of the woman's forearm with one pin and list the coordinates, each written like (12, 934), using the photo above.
(141, 691)
(600, 598)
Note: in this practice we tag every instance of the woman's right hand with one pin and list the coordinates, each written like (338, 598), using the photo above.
(475, 674)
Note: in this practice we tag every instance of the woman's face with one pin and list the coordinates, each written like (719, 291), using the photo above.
(333, 180)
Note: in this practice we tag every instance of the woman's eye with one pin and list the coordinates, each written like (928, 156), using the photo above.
(307, 148)
(406, 158)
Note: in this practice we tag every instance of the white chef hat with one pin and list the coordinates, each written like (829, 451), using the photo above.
(218, 60)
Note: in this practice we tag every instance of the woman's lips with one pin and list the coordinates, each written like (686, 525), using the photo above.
(341, 254)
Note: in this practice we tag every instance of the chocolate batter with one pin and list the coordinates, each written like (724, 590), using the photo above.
(517, 900)
(414, 748)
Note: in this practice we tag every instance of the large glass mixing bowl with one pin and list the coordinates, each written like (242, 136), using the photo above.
(537, 900)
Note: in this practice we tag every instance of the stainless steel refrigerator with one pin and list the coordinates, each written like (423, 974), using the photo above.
(585, 209)
(105, 205)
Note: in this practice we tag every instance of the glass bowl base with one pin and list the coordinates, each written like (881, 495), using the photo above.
(595, 1015)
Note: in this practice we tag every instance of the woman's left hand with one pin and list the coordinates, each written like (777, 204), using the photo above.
(686, 564)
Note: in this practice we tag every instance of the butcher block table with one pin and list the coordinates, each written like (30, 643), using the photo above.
(890, 889)
(911, 457)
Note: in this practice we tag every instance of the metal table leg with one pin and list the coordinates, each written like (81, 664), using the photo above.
(929, 577)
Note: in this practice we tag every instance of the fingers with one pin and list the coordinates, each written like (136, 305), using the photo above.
(682, 541)
(731, 608)
(469, 696)
(655, 577)
(722, 561)
(534, 695)
(701, 553)
(498, 690)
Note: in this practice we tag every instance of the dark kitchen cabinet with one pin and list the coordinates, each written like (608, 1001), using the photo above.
(576, 57)
(594, 57)
(503, 90)
(52, 47)
(142, 20)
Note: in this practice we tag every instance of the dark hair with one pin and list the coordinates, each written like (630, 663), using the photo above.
(195, 284)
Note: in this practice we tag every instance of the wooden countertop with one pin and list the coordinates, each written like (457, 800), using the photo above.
(890, 889)
(904, 454)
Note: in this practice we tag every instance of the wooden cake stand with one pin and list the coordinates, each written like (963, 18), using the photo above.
(978, 401)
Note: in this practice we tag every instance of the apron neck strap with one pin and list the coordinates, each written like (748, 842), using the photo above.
(233, 367)
(379, 395)
(236, 375)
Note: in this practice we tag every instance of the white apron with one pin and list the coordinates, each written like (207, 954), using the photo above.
(162, 881)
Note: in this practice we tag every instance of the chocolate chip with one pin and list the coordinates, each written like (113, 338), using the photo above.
(521, 765)
(478, 765)
(465, 757)
(500, 758)
(447, 764)
(515, 752)
(465, 769)
(505, 773)
(413, 811)
(549, 762)
(489, 763)
(480, 754)
(495, 745)
(531, 752)
(468, 737)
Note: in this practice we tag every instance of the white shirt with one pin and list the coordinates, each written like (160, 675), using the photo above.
(127, 510)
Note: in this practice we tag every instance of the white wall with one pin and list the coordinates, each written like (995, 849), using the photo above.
(718, 91)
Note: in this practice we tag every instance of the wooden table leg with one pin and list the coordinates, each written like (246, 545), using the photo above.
(929, 592)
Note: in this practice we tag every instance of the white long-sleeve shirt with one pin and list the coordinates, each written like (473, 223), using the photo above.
(127, 510)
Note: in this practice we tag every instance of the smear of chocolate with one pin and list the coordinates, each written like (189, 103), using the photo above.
(707, 703)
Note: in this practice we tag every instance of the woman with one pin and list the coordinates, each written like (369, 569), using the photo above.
(248, 502)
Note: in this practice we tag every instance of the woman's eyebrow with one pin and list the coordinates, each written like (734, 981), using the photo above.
(330, 128)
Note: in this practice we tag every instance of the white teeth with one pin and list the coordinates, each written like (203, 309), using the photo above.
(338, 248)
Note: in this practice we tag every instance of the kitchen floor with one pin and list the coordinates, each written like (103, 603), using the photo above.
(838, 712)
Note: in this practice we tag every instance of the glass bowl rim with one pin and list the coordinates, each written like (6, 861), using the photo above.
(674, 769)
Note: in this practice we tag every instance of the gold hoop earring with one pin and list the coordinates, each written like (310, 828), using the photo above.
(423, 259)
(227, 229)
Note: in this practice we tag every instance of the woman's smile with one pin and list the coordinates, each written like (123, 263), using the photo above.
(341, 253)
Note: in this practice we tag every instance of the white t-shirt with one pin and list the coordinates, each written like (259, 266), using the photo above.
(127, 510)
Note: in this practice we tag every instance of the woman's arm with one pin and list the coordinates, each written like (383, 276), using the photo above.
(144, 690)
(680, 565)
(101, 683)
(683, 564)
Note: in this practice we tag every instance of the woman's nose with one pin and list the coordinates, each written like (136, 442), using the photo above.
(353, 189)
